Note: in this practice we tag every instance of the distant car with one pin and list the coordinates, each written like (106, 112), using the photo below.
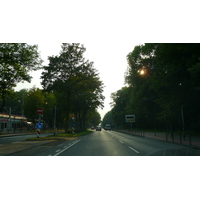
(92, 128)
(98, 128)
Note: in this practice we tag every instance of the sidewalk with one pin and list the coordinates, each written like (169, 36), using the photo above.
(192, 141)
(7, 149)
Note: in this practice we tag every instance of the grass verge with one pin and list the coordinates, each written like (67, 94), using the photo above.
(59, 136)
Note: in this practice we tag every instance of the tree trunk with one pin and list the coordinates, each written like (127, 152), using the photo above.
(3, 103)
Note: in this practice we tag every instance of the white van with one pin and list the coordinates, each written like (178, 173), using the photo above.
(107, 127)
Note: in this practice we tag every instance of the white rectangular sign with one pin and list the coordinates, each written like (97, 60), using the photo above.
(130, 118)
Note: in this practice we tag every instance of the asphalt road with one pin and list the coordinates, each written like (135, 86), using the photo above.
(110, 143)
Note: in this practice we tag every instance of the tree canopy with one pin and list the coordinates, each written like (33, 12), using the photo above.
(163, 80)
(16, 61)
(74, 81)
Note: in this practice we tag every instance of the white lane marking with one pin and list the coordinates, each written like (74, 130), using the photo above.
(58, 150)
(16, 142)
(120, 141)
(133, 149)
(70, 145)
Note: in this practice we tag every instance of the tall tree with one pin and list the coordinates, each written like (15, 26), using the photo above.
(72, 78)
(164, 79)
(16, 60)
(33, 100)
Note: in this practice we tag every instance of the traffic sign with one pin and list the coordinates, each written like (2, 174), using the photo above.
(130, 118)
(40, 110)
(38, 125)
(73, 116)
(73, 124)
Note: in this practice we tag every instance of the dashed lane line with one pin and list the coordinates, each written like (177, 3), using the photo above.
(70, 145)
(134, 150)
(121, 141)
(58, 150)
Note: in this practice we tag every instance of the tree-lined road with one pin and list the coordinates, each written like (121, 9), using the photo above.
(111, 143)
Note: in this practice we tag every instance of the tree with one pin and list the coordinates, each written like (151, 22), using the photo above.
(107, 119)
(74, 80)
(93, 118)
(16, 60)
(168, 82)
(33, 100)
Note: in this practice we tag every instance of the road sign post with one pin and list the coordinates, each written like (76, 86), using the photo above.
(130, 119)
(39, 125)
(73, 123)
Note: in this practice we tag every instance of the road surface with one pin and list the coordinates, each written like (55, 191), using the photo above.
(110, 143)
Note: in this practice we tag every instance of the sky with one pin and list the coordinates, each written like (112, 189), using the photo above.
(109, 60)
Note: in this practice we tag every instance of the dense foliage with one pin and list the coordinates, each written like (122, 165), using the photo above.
(71, 85)
(16, 61)
(75, 83)
(163, 87)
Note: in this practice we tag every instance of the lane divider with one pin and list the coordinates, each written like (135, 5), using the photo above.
(134, 150)
(70, 145)
(121, 141)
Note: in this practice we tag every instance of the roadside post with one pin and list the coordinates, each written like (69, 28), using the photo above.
(73, 123)
(130, 119)
(39, 125)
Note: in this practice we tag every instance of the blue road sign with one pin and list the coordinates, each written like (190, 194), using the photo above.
(38, 125)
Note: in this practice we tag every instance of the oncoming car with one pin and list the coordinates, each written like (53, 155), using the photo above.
(98, 128)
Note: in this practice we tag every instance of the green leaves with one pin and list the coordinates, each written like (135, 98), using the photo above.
(16, 61)
(170, 80)
(73, 79)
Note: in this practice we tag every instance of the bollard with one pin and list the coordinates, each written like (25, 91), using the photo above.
(38, 133)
